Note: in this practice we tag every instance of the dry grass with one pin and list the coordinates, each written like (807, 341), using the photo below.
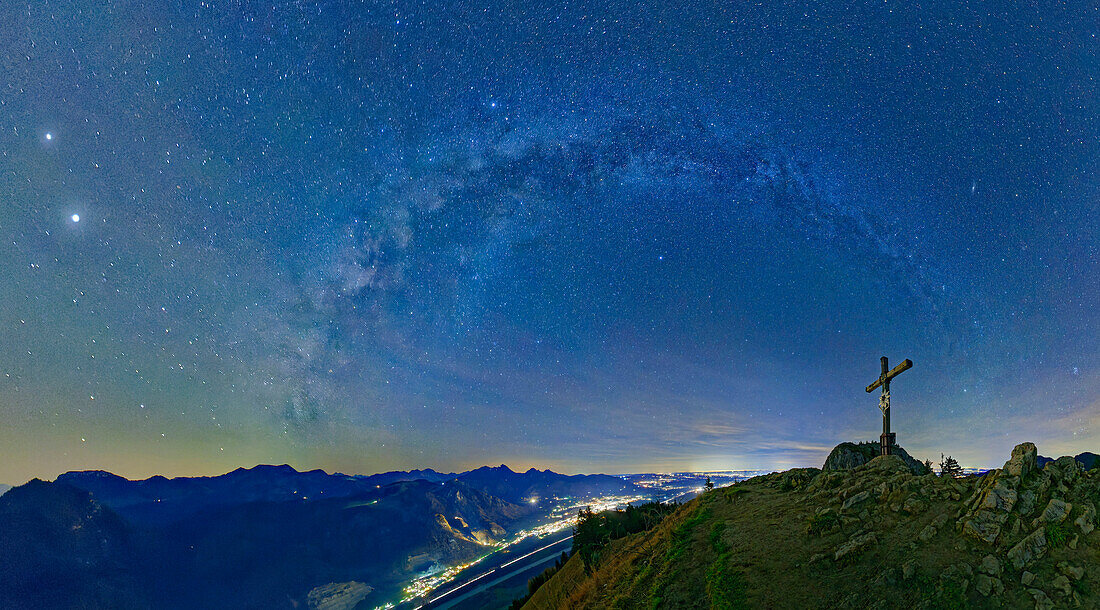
(749, 546)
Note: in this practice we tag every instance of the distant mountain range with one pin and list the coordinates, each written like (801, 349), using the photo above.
(262, 537)
(1088, 460)
(534, 485)
(159, 500)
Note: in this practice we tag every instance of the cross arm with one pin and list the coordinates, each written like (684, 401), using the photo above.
(894, 372)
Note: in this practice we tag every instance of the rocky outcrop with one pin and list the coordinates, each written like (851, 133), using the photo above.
(1056, 511)
(338, 595)
(1004, 492)
(848, 456)
(1023, 461)
(1032, 547)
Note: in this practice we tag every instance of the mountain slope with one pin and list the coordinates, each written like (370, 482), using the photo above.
(61, 549)
(873, 537)
(266, 554)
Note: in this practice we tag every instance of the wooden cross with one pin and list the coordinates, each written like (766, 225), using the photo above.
(888, 439)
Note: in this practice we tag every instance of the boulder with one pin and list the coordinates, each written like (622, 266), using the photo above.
(856, 499)
(988, 585)
(1032, 547)
(1042, 602)
(1061, 585)
(884, 466)
(929, 532)
(854, 545)
(1056, 511)
(1001, 497)
(990, 566)
(913, 505)
(1085, 519)
(1025, 502)
(1023, 461)
(983, 525)
(1064, 469)
(1071, 571)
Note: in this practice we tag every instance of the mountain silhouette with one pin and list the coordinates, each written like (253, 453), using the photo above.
(261, 537)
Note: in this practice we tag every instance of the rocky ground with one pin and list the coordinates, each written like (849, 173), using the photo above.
(875, 536)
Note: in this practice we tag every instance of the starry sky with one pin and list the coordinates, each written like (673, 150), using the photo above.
(590, 236)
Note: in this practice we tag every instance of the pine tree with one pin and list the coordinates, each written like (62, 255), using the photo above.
(710, 485)
(949, 467)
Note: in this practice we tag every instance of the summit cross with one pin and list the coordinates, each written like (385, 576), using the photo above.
(888, 438)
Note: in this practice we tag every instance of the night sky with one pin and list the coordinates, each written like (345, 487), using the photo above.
(589, 236)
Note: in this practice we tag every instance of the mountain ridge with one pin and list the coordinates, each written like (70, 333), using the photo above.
(874, 536)
(158, 500)
(267, 536)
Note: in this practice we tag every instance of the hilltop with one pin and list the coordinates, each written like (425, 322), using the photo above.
(874, 536)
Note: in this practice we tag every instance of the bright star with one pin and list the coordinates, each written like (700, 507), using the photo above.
(75, 218)
(49, 136)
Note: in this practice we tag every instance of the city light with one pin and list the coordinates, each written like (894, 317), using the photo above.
(563, 516)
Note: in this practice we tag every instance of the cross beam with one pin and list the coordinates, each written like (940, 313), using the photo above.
(888, 438)
(886, 376)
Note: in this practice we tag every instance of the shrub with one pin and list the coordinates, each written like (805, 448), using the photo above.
(824, 522)
(1056, 534)
(594, 530)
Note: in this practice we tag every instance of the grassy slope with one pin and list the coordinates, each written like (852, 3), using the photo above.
(747, 546)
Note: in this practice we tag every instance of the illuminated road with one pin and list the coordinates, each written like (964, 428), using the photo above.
(499, 574)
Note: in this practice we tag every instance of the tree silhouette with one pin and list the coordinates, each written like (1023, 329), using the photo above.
(949, 467)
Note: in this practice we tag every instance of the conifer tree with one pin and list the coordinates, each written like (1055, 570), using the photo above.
(949, 467)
